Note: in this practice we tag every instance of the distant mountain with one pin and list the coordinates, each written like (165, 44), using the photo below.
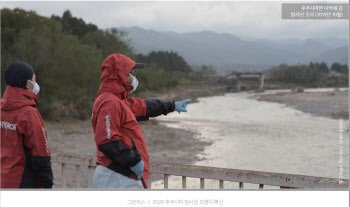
(339, 55)
(309, 47)
(333, 42)
(227, 52)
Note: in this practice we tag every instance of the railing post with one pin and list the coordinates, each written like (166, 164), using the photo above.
(166, 176)
(77, 172)
(64, 177)
(149, 181)
(202, 183)
(221, 184)
(91, 171)
(183, 182)
(240, 185)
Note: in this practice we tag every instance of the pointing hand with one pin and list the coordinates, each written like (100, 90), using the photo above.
(180, 106)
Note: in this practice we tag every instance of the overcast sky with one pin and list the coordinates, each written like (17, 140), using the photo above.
(243, 19)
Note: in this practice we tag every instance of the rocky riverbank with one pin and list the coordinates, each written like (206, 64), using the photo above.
(328, 104)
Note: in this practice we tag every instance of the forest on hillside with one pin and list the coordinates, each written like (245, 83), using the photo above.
(66, 54)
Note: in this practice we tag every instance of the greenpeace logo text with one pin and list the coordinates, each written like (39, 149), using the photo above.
(9, 126)
(108, 127)
(46, 141)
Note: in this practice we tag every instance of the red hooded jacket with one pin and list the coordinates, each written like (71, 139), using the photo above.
(25, 153)
(119, 140)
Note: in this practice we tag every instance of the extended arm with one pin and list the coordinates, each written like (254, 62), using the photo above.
(144, 109)
(155, 107)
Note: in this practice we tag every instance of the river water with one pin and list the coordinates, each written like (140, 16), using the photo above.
(263, 136)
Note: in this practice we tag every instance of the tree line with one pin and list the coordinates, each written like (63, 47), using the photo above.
(66, 54)
(312, 74)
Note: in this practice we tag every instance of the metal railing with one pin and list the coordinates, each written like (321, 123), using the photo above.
(284, 181)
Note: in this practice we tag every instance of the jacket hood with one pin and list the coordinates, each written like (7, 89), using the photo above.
(115, 69)
(15, 98)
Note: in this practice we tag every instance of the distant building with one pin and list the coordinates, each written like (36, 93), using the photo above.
(334, 74)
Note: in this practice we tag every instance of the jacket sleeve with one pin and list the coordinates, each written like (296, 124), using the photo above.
(144, 109)
(37, 142)
(137, 106)
(109, 140)
(155, 107)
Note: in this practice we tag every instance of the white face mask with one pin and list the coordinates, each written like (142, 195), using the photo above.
(36, 87)
(134, 83)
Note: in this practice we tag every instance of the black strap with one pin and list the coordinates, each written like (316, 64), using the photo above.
(121, 170)
(120, 154)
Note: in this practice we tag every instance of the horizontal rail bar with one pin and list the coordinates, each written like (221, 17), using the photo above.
(249, 176)
(74, 159)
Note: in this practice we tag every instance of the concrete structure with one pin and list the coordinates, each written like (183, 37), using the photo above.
(239, 76)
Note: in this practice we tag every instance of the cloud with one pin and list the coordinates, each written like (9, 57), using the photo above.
(243, 19)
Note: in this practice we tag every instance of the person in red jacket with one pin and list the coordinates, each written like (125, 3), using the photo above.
(121, 148)
(25, 153)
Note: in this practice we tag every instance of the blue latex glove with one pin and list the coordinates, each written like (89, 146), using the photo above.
(138, 169)
(181, 105)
